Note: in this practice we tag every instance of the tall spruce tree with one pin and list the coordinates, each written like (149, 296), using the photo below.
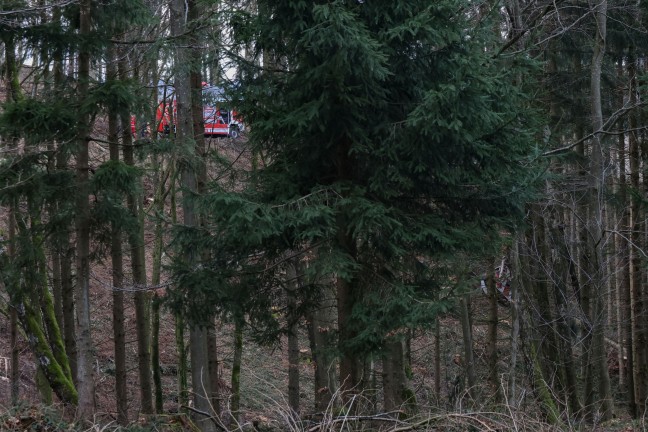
(387, 132)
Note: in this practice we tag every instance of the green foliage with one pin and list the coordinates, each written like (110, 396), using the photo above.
(393, 138)
(118, 16)
(111, 184)
(39, 120)
(117, 96)
(40, 132)
(116, 176)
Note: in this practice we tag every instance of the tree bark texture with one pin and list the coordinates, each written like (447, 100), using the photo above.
(493, 318)
(214, 372)
(543, 316)
(235, 400)
(397, 392)
(292, 285)
(347, 292)
(596, 215)
(182, 13)
(620, 257)
(156, 270)
(322, 325)
(183, 382)
(11, 71)
(516, 283)
(469, 358)
(637, 299)
(138, 266)
(116, 255)
(85, 373)
(560, 277)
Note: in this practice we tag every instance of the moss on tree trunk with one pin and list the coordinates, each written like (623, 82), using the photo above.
(60, 383)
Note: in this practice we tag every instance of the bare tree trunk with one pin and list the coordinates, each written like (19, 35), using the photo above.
(15, 349)
(293, 337)
(116, 253)
(235, 404)
(161, 176)
(390, 399)
(62, 239)
(85, 374)
(469, 359)
(398, 393)
(623, 269)
(491, 345)
(67, 291)
(214, 373)
(437, 358)
(596, 216)
(142, 298)
(620, 258)
(183, 385)
(158, 203)
(371, 389)
(624, 325)
(322, 324)
(182, 14)
(138, 265)
(351, 369)
(119, 332)
(15, 358)
(543, 315)
(560, 275)
(636, 303)
(528, 276)
(516, 283)
(155, 354)
(11, 71)
(348, 289)
(56, 280)
(179, 320)
(200, 380)
(351, 377)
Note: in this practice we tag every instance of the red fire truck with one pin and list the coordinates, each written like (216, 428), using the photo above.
(219, 119)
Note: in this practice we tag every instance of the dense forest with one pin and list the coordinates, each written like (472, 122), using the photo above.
(221, 215)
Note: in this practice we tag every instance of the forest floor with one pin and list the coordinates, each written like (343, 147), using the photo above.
(265, 368)
(265, 375)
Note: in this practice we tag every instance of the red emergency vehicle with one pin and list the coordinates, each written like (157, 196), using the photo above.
(219, 119)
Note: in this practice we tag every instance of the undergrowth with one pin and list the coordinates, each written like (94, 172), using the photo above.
(343, 415)
(53, 418)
